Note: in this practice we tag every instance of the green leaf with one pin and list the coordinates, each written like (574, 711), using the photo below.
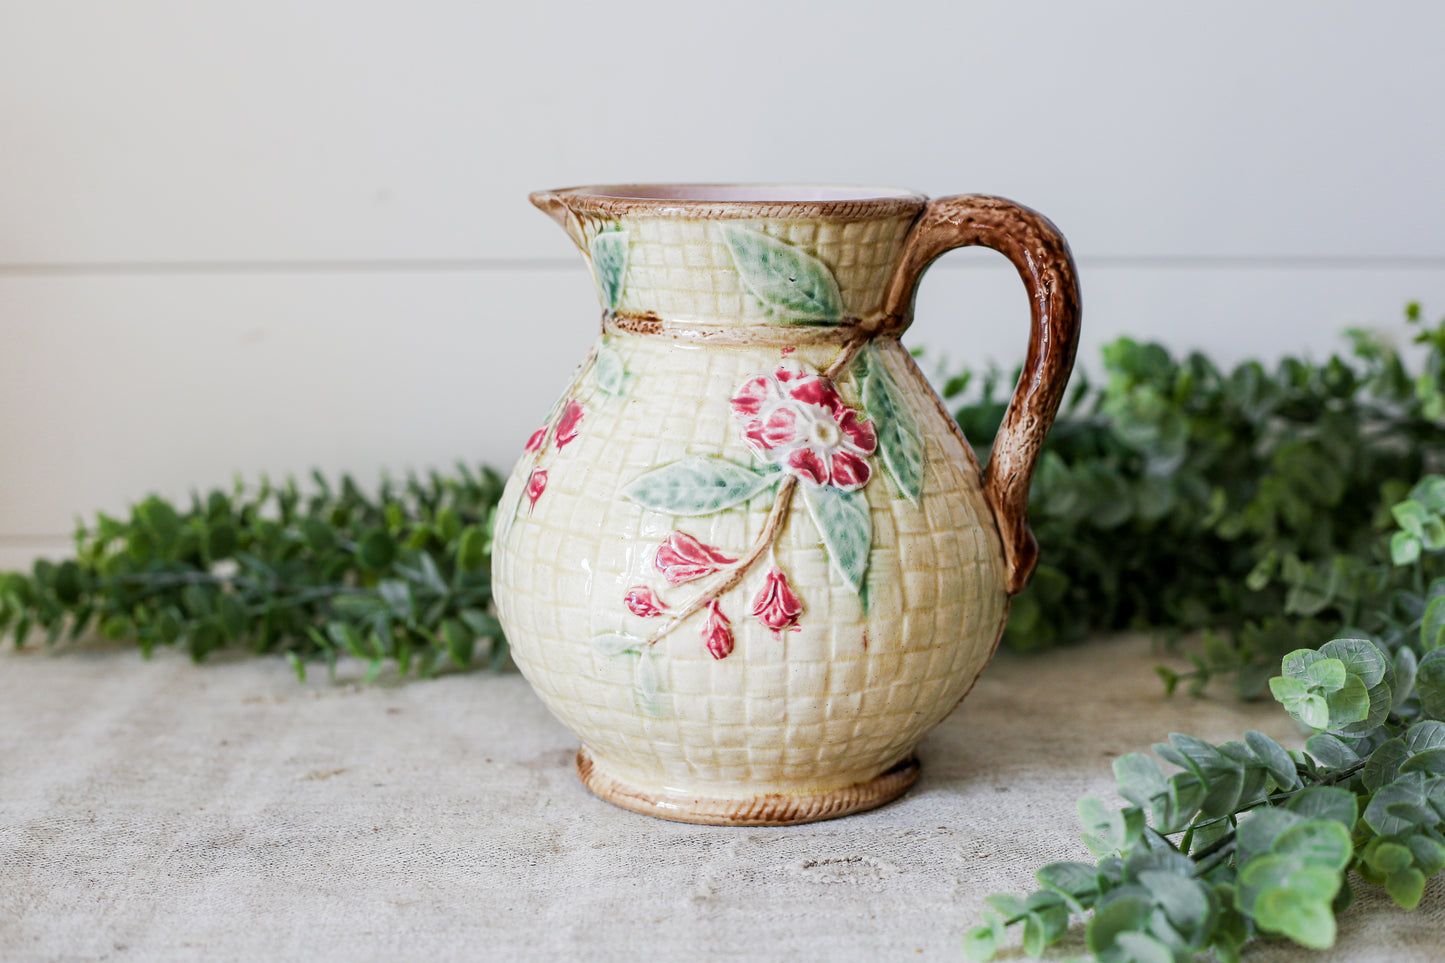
(1410, 515)
(1033, 942)
(1310, 710)
(1430, 761)
(1382, 814)
(1404, 548)
(1432, 625)
(460, 643)
(647, 684)
(1325, 802)
(900, 443)
(1360, 657)
(1430, 493)
(610, 372)
(1326, 674)
(979, 944)
(793, 285)
(1288, 690)
(1126, 915)
(612, 644)
(1307, 921)
(700, 485)
(377, 550)
(1406, 887)
(472, 549)
(1143, 948)
(845, 523)
(609, 265)
(1348, 704)
(1007, 905)
(1187, 903)
(1258, 831)
(1425, 734)
(1139, 777)
(1387, 856)
(1280, 766)
(1181, 802)
(1430, 684)
(1429, 855)
(398, 597)
(1384, 763)
(1317, 842)
(1406, 665)
(1080, 881)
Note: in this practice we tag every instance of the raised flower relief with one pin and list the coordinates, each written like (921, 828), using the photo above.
(717, 632)
(643, 602)
(536, 485)
(569, 422)
(682, 558)
(794, 418)
(776, 605)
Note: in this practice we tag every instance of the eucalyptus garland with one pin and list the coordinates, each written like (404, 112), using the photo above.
(1247, 838)
(401, 577)
(1245, 505)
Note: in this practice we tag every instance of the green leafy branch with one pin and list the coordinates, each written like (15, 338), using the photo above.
(1244, 504)
(1246, 838)
(401, 577)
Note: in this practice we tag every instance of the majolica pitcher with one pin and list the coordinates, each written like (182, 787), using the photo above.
(748, 558)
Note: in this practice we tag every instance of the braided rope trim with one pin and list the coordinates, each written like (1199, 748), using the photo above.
(610, 201)
(733, 335)
(768, 809)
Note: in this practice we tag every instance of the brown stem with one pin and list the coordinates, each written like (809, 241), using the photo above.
(845, 358)
(728, 578)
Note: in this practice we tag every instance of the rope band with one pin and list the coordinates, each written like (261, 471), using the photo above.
(849, 330)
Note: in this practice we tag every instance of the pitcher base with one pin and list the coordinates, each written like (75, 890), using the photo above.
(768, 809)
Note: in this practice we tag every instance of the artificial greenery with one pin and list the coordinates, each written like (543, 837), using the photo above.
(401, 577)
(1243, 504)
(1246, 838)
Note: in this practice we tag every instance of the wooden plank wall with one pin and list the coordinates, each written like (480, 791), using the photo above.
(276, 235)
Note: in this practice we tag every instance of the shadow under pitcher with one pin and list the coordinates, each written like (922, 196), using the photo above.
(749, 558)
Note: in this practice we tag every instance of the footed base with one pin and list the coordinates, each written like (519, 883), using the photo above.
(768, 809)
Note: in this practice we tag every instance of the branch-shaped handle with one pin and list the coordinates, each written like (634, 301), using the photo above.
(1042, 258)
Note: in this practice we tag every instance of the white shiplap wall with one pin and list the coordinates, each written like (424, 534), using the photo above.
(272, 235)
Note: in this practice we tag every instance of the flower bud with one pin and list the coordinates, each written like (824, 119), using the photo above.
(642, 601)
(717, 632)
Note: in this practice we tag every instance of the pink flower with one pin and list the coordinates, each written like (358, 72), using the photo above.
(683, 558)
(535, 441)
(777, 605)
(717, 632)
(795, 418)
(642, 601)
(536, 485)
(569, 422)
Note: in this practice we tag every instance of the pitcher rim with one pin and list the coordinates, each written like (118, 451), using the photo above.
(736, 200)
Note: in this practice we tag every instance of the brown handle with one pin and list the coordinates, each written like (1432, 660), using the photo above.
(1042, 257)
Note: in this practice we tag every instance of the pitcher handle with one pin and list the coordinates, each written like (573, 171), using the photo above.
(1042, 258)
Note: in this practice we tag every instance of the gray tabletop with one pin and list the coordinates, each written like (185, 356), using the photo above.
(161, 810)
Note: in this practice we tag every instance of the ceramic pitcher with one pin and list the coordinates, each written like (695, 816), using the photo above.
(748, 557)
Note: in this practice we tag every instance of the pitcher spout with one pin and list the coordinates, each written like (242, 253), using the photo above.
(553, 204)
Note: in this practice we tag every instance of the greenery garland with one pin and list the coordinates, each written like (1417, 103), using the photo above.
(1264, 509)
